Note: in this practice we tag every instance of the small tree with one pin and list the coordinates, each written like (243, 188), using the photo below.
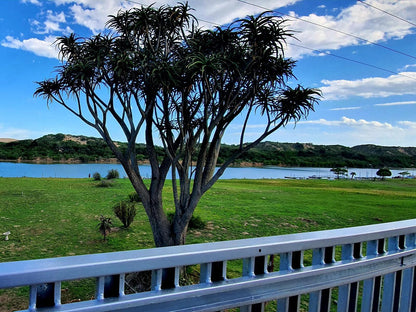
(383, 173)
(339, 171)
(105, 226)
(159, 74)
(404, 174)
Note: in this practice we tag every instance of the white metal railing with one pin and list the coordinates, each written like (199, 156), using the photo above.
(367, 268)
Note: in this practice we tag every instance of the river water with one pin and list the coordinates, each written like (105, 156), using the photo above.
(10, 169)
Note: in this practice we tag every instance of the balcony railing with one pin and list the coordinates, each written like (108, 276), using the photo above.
(366, 268)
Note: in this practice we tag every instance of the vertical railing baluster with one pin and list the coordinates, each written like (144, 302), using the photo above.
(321, 300)
(205, 273)
(344, 291)
(389, 285)
(99, 289)
(32, 297)
(57, 294)
(251, 267)
(122, 285)
(167, 278)
(370, 300)
(156, 283)
(288, 262)
(408, 278)
(348, 294)
(45, 295)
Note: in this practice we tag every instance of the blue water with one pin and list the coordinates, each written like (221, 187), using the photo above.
(10, 169)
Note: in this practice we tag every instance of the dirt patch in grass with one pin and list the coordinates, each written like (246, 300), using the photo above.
(9, 301)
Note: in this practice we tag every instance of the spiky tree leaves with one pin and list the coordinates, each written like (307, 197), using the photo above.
(157, 74)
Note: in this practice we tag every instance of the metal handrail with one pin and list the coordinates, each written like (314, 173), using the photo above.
(397, 253)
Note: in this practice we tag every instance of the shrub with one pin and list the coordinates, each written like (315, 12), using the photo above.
(196, 223)
(96, 176)
(105, 183)
(113, 174)
(125, 211)
(134, 197)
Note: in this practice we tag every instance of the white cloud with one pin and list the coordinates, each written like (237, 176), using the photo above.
(19, 134)
(37, 2)
(44, 47)
(408, 124)
(360, 20)
(52, 24)
(370, 87)
(349, 132)
(345, 108)
(93, 14)
(397, 103)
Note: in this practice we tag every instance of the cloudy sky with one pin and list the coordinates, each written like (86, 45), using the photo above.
(361, 54)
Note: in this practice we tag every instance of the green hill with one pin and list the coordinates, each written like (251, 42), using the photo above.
(68, 148)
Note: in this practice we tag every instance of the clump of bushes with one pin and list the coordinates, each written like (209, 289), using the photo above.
(105, 183)
(125, 211)
(113, 174)
(196, 223)
(96, 176)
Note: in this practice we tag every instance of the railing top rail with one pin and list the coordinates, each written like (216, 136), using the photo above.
(19, 273)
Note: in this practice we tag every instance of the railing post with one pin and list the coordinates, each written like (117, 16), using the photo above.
(45, 295)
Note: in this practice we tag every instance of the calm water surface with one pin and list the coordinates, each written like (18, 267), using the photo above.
(9, 169)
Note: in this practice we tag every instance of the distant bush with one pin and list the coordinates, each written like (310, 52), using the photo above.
(125, 211)
(96, 176)
(134, 197)
(196, 223)
(105, 183)
(113, 174)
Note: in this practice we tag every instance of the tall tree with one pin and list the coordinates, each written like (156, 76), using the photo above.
(156, 73)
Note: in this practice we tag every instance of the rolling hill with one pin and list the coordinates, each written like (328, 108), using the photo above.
(69, 148)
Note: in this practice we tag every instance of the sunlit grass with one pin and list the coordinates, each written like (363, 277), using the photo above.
(59, 217)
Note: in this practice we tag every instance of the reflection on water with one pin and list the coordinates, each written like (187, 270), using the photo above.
(8, 169)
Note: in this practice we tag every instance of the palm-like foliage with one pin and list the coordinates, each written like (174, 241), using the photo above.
(159, 73)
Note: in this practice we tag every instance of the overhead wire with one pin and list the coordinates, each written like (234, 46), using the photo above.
(330, 28)
(354, 61)
(320, 51)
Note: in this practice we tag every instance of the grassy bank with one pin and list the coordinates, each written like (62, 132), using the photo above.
(59, 217)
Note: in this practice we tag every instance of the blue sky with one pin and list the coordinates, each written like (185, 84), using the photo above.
(361, 54)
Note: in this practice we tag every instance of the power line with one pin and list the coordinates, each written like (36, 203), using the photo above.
(351, 60)
(388, 13)
(320, 51)
(332, 29)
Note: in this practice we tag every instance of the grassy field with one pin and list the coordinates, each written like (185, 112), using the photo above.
(59, 217)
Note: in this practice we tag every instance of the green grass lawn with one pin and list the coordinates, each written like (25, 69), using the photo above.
(59, 217)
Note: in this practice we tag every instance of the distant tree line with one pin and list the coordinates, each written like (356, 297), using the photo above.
(59, 147)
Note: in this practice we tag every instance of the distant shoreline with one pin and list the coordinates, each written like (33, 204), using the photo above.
(48, 161)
